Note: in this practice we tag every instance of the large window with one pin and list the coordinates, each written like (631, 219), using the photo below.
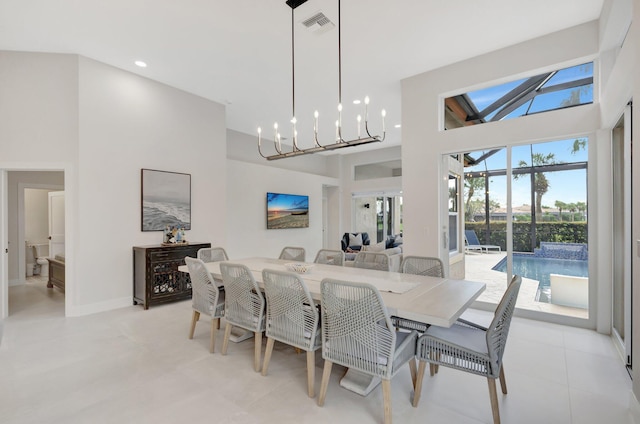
(553, 90)
(548, 222)
(379, 215)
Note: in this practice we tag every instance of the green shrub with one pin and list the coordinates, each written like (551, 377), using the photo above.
(560, 232)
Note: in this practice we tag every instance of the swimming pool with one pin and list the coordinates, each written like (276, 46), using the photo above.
(537, 268)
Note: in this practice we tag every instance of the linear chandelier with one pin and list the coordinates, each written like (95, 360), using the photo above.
(339, 142)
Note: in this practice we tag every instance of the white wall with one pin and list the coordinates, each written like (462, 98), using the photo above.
(128, 123)
(349, 186)
(246, 223)
(101, 125)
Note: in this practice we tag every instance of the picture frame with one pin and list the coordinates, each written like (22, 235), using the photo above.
(287, 211)
(165, 200)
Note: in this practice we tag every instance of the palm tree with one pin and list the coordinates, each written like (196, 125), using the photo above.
(540, 184)
(471, 185)
(582, 208)
(560, 205)
(572, 208)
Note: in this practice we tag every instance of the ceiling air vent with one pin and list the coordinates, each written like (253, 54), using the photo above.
(318, 23)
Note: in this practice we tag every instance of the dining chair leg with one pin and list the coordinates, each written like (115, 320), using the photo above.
(418, 388)
(194, 318)
(412, 369)
(257, 351)
(326, 374)
(225, 341)
(215, 323)
(494, 400)
(311, 372)
(432, 369)
(503, 381)
(267, 355)
(386, 395)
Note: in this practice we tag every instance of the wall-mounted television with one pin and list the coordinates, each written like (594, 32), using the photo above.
(287, 211)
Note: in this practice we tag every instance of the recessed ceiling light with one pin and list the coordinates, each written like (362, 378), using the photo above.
(356, 102)
(397, 125)
(140, 63)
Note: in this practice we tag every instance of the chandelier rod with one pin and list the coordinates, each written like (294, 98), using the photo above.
(340, 142)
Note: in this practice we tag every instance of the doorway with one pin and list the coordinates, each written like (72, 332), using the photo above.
(622, 230)
(14, 185)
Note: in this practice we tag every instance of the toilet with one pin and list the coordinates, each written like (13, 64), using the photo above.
(41, 252)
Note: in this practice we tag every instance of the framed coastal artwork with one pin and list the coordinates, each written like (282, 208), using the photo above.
(166, 200)
(287, 211)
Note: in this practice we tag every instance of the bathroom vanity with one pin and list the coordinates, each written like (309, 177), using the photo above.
(156, 278)
(56, 272)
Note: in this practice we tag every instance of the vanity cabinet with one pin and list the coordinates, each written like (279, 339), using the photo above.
(156, 278)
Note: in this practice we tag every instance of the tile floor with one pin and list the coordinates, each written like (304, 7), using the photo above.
(132, 365)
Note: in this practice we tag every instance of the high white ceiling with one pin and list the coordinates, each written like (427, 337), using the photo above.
(238, 52)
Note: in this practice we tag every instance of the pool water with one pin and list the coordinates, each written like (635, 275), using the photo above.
(537, 268)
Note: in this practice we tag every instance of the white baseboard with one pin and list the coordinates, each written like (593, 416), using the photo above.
(94, 308)
(634, 408)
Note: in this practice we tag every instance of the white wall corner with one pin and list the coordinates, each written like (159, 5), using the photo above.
(634, 408)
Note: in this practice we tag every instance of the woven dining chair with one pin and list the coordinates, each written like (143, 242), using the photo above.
(422, 265)
(418, 265)
(212, 254)
(329, 257)
(372, 260)
(293, 254)
(244, 306)
(357, 333)
(206, 298)
(470, 347)
(292, 318)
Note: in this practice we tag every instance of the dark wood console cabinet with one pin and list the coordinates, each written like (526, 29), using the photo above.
(156, 278)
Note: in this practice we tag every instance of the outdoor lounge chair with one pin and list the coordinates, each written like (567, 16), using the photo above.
(472, 243)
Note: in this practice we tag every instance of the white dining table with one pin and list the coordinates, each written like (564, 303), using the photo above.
(432, 300)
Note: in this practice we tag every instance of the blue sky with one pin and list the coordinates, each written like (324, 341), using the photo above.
(278, 201)
(566, 186)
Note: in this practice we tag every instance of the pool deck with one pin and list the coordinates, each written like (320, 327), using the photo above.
(478, 268)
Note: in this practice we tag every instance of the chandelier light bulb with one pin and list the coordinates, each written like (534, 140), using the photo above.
(384, 113)
(341, 140)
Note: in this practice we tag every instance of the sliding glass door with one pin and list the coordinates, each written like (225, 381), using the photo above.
(525, 210)
(378, 214)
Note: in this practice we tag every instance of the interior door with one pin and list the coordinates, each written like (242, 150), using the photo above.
(56, 223)
(622, 240)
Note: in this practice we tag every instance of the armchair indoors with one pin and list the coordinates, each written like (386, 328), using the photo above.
(357, 333)
(213, 254)
(330, 257)
(293, 254)
(292, 318)
(471, 348)
(206, 298)
(354, 241)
